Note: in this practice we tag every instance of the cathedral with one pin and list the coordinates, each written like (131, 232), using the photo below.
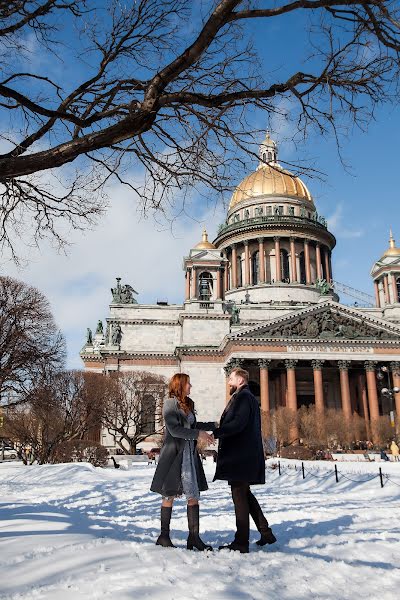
(261, 296)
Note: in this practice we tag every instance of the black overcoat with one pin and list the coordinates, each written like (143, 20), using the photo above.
(240, 448)
(167, 478)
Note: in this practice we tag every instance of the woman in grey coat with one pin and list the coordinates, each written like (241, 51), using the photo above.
(179, 470)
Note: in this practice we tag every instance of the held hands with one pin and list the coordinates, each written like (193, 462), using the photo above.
(206, 437)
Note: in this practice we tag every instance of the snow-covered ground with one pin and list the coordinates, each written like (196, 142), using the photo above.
(76, 532)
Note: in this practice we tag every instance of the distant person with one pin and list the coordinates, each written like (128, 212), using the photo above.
(180, 470)
(241, 461)
(394, 449)
(384, 456)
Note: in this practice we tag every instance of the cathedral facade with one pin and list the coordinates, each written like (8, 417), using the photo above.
(261, 296)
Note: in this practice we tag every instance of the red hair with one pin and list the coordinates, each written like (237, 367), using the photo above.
(177, 389)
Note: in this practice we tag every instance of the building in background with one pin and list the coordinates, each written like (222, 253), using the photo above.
(262, 296)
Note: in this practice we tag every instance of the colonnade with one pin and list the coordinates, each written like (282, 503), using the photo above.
(286, 389)
(387, 289)
(307, 261)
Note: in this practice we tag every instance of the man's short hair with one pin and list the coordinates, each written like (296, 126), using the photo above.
(241, 373)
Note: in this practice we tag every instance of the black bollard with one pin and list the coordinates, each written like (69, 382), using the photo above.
(336, 474)
(381, 477)
(279, 466)
(302, 468)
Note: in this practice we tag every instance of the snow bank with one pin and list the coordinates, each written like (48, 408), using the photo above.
(74, 531)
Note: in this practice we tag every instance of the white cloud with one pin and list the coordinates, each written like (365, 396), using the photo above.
(123, 245)
(335, 224)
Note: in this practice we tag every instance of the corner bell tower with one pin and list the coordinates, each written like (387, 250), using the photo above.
(204, 274)
(386, 275)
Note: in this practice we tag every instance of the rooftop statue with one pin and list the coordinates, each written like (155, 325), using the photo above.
(123, 294)
(89, 337)
(234, 311)
(116, 334)
(323, 286)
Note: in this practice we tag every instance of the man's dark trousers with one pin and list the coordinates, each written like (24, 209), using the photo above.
(245, 505)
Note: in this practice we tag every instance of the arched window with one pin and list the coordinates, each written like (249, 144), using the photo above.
(264, 157)
(254, 267)
(285, 274)
(302, 268)
(148, 415)
(239, 272)
(398, 289)
(269, 156)
(205, 286)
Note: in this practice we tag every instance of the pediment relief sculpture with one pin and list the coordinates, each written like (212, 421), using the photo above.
(328, 325)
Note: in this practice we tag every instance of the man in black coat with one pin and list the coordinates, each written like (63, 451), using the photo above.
(241, 459)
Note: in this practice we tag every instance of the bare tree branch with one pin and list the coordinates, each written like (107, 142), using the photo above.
(160, 89)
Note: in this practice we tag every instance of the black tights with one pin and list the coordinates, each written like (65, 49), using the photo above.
(245, 505)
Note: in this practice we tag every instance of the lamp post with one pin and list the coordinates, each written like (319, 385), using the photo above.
(388, 391)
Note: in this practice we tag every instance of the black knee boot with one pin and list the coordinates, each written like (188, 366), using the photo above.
(267, 537)
(194, 540)
(163, 538)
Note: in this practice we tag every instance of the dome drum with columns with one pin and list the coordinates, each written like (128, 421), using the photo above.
(260, 296)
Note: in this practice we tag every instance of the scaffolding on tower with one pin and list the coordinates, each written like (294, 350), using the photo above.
(364, 298)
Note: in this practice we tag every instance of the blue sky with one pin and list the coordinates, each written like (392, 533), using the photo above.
(360, 204)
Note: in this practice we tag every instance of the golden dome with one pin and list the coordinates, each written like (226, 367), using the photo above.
(205, 244)
(392, 250)
(270, 181)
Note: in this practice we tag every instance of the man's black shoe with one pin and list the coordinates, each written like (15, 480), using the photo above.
(266, 538)
(235, 546)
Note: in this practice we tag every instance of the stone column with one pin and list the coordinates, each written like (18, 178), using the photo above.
(277, 392)
(188, 275)
(218, 290)
(246, 263)
(226, 278)
(394, 288)
(326, 261)
(283, 389)
(292, 396)
(278, 276)
(234, 267)
(377, 298)
(373, 401)
(193, 286)
(330, 265)
(261, 261)
(345, 388)
(264, 365)
(307, 262)
(318, 386)
(293, 260)
(362, 392)
(386, 288)
(395, 368)
(318, 261)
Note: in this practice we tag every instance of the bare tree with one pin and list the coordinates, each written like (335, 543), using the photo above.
(134, 412)
(284, 419)
(168, 86)
(31, 346)
(67, 408)
(312, 427)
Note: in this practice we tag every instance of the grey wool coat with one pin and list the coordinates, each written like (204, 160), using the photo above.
(167, 478)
